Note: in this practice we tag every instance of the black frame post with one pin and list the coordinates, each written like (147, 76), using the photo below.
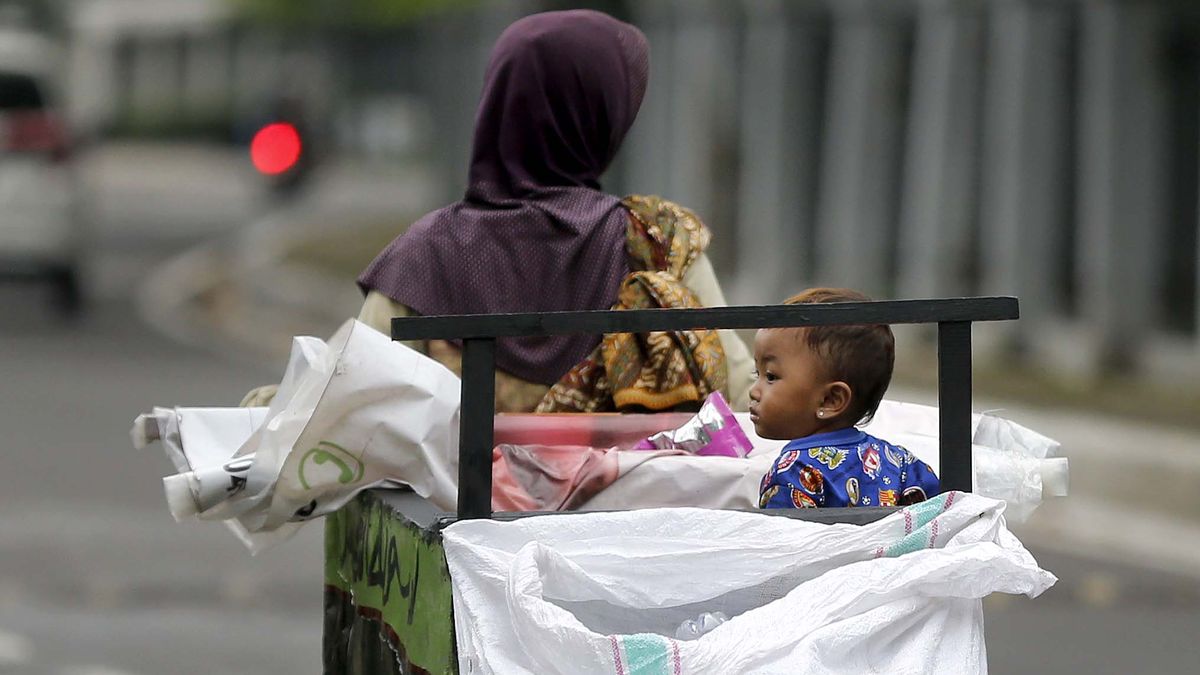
(955, 469)
(475, 428)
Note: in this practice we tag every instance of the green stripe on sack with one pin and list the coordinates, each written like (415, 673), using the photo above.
(922, 514)
(647, 654)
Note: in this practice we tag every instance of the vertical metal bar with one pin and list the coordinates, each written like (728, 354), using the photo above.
(862, 145)
(475, 427)
(1122, 202)
(954, 405)
(782, 62)
(938, 198)
(1024, 183)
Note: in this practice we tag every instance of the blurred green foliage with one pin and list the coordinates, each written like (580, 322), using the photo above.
(368, 14)
(212, 123)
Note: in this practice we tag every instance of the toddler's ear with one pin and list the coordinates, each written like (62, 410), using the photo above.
(836, 399)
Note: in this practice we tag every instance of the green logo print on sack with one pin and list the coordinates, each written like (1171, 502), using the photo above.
(347, 467)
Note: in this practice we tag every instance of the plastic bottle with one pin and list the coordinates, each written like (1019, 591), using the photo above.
(691, 629)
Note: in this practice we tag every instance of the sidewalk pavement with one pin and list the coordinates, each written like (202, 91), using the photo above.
(1133, 485)
(244, 295)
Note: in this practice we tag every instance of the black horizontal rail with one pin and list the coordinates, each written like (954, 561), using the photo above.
(467, 326)
(478, 332)
(854, 515)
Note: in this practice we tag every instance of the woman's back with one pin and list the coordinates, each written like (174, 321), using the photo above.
(681, 255)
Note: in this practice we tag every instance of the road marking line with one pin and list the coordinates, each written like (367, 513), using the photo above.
(1099, 589)
(1100, 529)
(15, 649)
(94, 670)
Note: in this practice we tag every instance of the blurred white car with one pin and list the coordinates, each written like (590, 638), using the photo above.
(40, 236)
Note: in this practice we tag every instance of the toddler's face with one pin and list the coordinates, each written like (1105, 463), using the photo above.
(789, 388)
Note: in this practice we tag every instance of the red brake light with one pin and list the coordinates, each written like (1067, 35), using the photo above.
(275, 148)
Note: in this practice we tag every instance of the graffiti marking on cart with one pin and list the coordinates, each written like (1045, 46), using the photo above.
(379, 563)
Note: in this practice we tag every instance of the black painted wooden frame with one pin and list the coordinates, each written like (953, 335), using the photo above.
(478, 333)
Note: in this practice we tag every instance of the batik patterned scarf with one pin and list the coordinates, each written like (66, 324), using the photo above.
(662, 370)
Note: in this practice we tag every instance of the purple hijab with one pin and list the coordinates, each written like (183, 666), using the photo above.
(534, 232)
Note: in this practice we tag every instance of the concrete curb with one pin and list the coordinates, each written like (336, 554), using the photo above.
(210, 299)
(240, 296)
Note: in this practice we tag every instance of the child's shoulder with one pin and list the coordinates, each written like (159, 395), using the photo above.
(896, 454)
(837, 453)
(859, 452)
(833, 456)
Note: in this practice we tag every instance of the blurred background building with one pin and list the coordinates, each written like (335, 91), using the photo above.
(1047, 149)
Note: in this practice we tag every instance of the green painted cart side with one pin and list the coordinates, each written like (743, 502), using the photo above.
(387, 589)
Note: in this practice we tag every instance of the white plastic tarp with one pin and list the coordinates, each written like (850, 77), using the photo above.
(361, 411)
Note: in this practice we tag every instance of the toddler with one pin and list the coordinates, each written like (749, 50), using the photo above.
(814, 384)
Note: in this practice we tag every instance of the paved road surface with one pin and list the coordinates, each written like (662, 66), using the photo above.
(93, 570)
(1099, 618)
(95, 576)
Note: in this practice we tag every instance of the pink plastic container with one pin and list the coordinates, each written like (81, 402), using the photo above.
(597, 430)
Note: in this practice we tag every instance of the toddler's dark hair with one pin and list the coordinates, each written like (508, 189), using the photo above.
(861, 356)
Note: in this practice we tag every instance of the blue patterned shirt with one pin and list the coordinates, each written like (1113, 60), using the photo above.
(845, 468)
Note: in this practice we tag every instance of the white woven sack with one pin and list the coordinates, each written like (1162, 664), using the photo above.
(603, 592)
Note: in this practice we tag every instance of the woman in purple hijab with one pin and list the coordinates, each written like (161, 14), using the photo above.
(534, 231)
